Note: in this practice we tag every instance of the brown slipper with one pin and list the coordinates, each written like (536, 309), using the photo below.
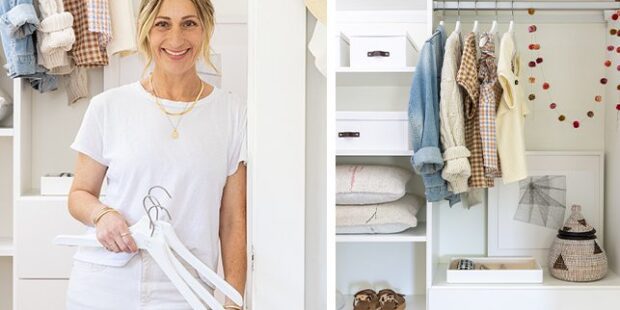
(390, 300)
(366, 300)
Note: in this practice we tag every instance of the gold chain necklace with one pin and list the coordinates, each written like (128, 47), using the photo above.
(175, 130)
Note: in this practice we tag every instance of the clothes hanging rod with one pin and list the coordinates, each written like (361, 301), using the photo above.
(521, 5)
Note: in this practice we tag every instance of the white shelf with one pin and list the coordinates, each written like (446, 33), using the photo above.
(34, 195)
(414, 302)
(415, 234)
(611, 281)
(373, 153)
(347, 76)
(6, 246)
(6, 132)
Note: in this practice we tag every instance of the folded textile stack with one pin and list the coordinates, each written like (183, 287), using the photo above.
(373, 199)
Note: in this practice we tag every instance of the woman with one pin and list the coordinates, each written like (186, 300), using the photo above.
(169, 129)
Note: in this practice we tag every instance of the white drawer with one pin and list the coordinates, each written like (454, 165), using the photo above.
(381, 51)
(372, 133)
(40, 294)
(36, 225)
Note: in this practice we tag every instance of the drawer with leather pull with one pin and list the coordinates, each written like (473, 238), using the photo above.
(372, 133)
(382, 51)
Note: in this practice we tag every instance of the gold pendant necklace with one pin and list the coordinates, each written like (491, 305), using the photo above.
(175, 130)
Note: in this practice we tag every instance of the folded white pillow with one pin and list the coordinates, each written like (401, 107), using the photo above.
(392, 217)
(370, 184)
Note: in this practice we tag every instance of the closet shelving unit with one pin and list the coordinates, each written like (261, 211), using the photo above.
(421, 254)
(397, 261)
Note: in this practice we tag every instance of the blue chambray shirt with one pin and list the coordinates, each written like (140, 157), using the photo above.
(424, 119)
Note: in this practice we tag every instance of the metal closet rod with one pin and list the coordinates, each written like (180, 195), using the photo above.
(522, 5)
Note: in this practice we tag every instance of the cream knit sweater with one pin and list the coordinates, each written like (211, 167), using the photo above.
(55, 36)
(451, 118)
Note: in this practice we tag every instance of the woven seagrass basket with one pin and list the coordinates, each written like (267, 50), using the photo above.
(575, 254)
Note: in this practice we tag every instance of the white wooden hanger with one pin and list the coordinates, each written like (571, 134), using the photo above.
(443, 13)
(475, 29)
(159, 239)
(494, 24)
(512, 21)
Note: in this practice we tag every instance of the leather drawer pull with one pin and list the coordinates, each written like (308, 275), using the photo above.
(378, 54)
(349, 134)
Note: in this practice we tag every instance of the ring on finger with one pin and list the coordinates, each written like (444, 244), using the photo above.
(125, 234)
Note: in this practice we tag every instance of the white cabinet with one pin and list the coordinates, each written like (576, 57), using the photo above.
(40, 221)
(40, 294)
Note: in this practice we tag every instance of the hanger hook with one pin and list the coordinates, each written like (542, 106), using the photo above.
(458, 9)
(512, 4)
(476, 7)
(443, 10)
(495, 9)
(155, 204)
(160, 187)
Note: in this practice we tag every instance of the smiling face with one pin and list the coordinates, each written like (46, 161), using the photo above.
(176, 37)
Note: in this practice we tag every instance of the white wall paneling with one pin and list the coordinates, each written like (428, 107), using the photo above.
(316, 187)
(612, 161)
(276, 128)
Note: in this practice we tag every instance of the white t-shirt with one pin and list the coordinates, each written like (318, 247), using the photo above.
(124, 129)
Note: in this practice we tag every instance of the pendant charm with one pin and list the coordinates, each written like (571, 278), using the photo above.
(175, 134)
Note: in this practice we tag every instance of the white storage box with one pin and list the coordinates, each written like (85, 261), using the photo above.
(496, 270)
(56, 185)
(370, 133)
(381, 51)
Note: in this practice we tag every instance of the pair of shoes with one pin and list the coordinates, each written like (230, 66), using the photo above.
(386, 299)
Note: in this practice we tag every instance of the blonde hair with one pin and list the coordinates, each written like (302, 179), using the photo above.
(149, 10)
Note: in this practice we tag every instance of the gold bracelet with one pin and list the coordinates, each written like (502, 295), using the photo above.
(98, 212)
(101, 214)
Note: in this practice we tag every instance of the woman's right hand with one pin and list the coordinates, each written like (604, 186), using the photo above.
(113, 233)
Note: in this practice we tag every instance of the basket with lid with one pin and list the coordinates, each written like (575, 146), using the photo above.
(575, 254)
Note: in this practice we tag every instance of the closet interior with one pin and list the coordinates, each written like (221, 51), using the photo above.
(371, 104)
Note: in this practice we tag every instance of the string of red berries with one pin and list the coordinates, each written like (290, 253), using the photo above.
(537, 61)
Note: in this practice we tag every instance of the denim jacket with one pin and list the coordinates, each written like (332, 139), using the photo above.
(18, 22)
(424, 119)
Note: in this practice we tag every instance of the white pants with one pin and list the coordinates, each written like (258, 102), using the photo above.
(140, 284)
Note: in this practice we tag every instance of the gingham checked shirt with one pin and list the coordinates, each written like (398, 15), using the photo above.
(490, 94)
(467, 77)
(99, 20)
(86, 50)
